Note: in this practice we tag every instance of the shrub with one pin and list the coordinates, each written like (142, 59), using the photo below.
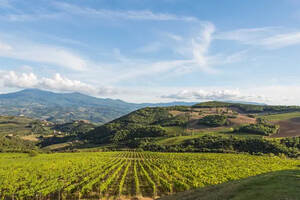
(33, 153)
(260, 128)
(214, 120)
(221, 144)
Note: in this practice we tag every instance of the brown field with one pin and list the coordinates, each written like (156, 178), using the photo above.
(288, 128)
(32, 138)
(198, 113)
(242, 119)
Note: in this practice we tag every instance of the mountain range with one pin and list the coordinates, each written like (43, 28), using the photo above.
(66, 107)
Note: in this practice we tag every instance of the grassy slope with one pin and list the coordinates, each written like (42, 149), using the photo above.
(181, 139)
(283, 116)
(275, 185)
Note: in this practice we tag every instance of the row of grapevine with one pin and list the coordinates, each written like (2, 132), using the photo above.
(94, 175)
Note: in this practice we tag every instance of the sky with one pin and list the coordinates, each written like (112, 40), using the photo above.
(153, 50)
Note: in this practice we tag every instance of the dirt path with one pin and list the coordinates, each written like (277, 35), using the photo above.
(288, 128)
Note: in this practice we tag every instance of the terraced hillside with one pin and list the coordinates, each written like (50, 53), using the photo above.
(125, 174)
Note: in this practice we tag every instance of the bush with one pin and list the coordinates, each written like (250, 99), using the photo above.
(221, 144)
(33, 153)
(260, 128)
(214, 120)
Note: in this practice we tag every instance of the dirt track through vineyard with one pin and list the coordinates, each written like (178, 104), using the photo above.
(288, 128)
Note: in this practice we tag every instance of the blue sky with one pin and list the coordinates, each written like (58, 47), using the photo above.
(153, 50)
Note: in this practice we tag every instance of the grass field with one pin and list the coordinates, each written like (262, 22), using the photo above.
(283, 116)
(277, 185)
(125, 174)
(197, 134)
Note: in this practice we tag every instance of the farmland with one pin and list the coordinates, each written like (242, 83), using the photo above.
(289, 124)
(90, 175)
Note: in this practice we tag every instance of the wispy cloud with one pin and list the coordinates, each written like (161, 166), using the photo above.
(248, 35)
(195, 57)
(15, 14)
(119, 14)
(201, 46)
(220, 95)
(174, 36)
(266, 37)
(282, 40)
(28, 17)
(53, 55)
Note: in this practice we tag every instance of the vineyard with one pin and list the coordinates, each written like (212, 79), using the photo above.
(103, 175)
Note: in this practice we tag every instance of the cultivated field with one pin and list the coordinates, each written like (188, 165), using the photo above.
(94, 175)
(288, 128)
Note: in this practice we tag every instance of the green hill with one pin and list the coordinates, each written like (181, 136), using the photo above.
(275, 185)
(191, 129)
(248, 108)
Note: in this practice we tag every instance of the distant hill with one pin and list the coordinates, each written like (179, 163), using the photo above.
(16, 133)
(248, 107)
(66, 107)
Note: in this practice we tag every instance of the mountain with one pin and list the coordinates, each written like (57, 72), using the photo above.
(66, 107)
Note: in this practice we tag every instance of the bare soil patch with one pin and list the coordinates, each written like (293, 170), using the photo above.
(288, 128)
(242, 119)
(32, 138)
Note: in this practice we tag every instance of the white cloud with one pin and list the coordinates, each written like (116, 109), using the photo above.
(113, 14)
(64, 84)
(12, 79)
(54, 55)
(23, 80)
(217, 94)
